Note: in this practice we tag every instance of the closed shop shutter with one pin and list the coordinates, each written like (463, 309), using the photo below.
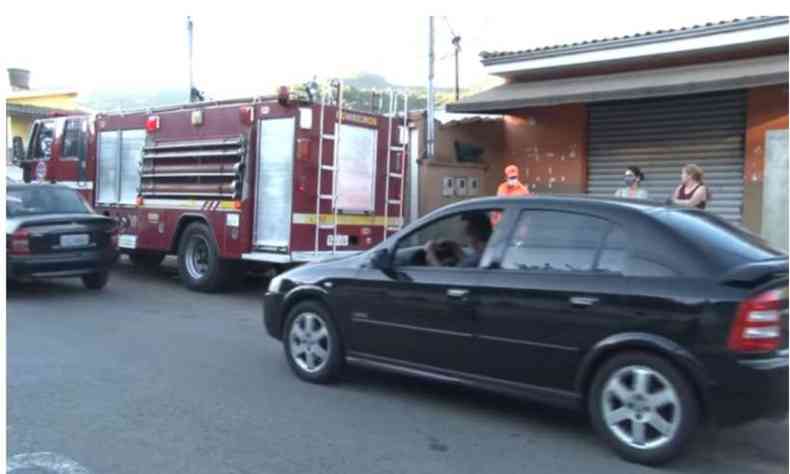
(661, 135)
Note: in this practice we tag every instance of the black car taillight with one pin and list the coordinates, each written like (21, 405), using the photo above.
(757, 326)
(20, 242)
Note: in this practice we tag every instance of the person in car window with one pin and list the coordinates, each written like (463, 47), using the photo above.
(478, 230)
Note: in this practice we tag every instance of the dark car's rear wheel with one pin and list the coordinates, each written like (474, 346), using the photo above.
(96, 281)
(312, 343)
(147, 260)
(644, 407)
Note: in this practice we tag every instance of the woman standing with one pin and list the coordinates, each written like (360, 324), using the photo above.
(633, 176)
(692, 191)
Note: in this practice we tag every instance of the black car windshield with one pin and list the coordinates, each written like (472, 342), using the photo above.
(729, 243)
(37, 200)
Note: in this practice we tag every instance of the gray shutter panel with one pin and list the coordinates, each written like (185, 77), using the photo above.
(661, 135)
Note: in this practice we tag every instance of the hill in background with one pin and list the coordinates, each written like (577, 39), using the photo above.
(357, 95)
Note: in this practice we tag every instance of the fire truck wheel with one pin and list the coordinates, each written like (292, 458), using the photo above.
(96, 281)
(312, 343)
(199, 263)
(148, 260)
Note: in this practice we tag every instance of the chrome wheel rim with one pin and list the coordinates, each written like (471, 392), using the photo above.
(641, 407)
(309, 342)
(197, 257)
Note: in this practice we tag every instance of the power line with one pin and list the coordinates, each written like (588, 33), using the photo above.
(452, 32)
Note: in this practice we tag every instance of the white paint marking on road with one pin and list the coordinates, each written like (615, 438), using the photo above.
(51, 462)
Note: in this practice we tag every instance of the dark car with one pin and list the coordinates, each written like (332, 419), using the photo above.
(51, 232)
(651, 318)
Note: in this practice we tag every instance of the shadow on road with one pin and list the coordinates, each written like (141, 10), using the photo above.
(163, 277)
(457, 397)
(167, 274)
(732, 447)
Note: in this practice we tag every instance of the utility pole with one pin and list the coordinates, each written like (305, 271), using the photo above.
(430, 129)
(192, 96)
(457, 44)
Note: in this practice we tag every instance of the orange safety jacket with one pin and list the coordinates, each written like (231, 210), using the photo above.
(508, 191)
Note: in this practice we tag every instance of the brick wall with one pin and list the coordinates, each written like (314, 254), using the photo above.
(767, 109)
(549, 145)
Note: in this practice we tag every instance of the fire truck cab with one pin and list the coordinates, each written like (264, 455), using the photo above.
(266, 181)
(58, 151)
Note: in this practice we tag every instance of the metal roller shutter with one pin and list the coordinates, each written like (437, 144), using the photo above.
(661, 135)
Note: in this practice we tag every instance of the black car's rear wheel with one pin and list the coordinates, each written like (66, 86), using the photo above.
(312, 343)
(147, 260)
(96, 281)
(644, 407)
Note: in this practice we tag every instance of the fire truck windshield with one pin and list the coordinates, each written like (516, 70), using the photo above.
(45, 136)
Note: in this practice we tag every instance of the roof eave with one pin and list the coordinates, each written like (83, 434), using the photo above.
(504, 63)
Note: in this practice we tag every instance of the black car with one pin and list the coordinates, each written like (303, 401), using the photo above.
(51, 232)
(651, 318)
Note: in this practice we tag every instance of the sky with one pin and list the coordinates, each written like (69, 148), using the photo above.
(250, 47)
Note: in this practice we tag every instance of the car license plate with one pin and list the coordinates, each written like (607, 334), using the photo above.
(75, 240)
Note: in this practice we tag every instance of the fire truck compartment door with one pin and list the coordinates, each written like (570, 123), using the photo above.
(276, 143)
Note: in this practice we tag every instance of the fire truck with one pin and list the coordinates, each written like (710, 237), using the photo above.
(269, 181)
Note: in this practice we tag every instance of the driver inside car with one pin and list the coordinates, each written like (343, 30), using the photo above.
(447, 253)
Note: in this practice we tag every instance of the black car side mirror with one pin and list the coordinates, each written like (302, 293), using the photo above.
(19, 150)
(381, 260)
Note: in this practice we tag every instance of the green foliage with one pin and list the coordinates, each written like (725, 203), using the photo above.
(358, 95)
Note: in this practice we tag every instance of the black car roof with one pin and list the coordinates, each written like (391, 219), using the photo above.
(575, 201)
(37, 185)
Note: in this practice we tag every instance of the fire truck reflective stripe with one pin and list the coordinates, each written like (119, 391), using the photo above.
(223, 206)
(296, 256)
(328, 219)
(77, 184)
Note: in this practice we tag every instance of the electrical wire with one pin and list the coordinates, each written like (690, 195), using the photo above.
(449, 27)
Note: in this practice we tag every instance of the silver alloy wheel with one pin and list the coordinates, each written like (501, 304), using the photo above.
(641, 407)
(197, 257)
(309, 342)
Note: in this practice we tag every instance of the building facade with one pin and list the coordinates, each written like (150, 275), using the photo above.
(24, 105)
(574, 116)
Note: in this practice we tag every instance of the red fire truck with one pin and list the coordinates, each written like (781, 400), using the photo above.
(273, 181)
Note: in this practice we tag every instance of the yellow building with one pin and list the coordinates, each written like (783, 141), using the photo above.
(23, 105)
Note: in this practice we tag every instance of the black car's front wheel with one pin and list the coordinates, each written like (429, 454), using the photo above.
(312, 343)
(644, 407)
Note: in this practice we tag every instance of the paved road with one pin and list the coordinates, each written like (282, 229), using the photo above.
(147, 377)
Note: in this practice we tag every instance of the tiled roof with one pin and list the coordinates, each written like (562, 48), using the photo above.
(493, 57)
(36, 112)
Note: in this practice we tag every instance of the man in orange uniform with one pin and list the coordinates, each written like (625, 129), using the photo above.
(512, 187)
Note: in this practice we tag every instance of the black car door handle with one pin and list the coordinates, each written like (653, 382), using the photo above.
(457, 293)
(583, 300)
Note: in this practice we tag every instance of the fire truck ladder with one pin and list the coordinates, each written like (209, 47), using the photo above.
(331, 167)
(398, 175)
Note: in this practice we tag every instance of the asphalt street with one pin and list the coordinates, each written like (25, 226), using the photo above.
(148, 377)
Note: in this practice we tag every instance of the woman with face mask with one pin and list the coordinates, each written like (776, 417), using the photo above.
(692, 191)
(633, 177)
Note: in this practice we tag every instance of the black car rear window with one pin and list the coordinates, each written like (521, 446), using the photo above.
(728, 243)
(38, 200)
